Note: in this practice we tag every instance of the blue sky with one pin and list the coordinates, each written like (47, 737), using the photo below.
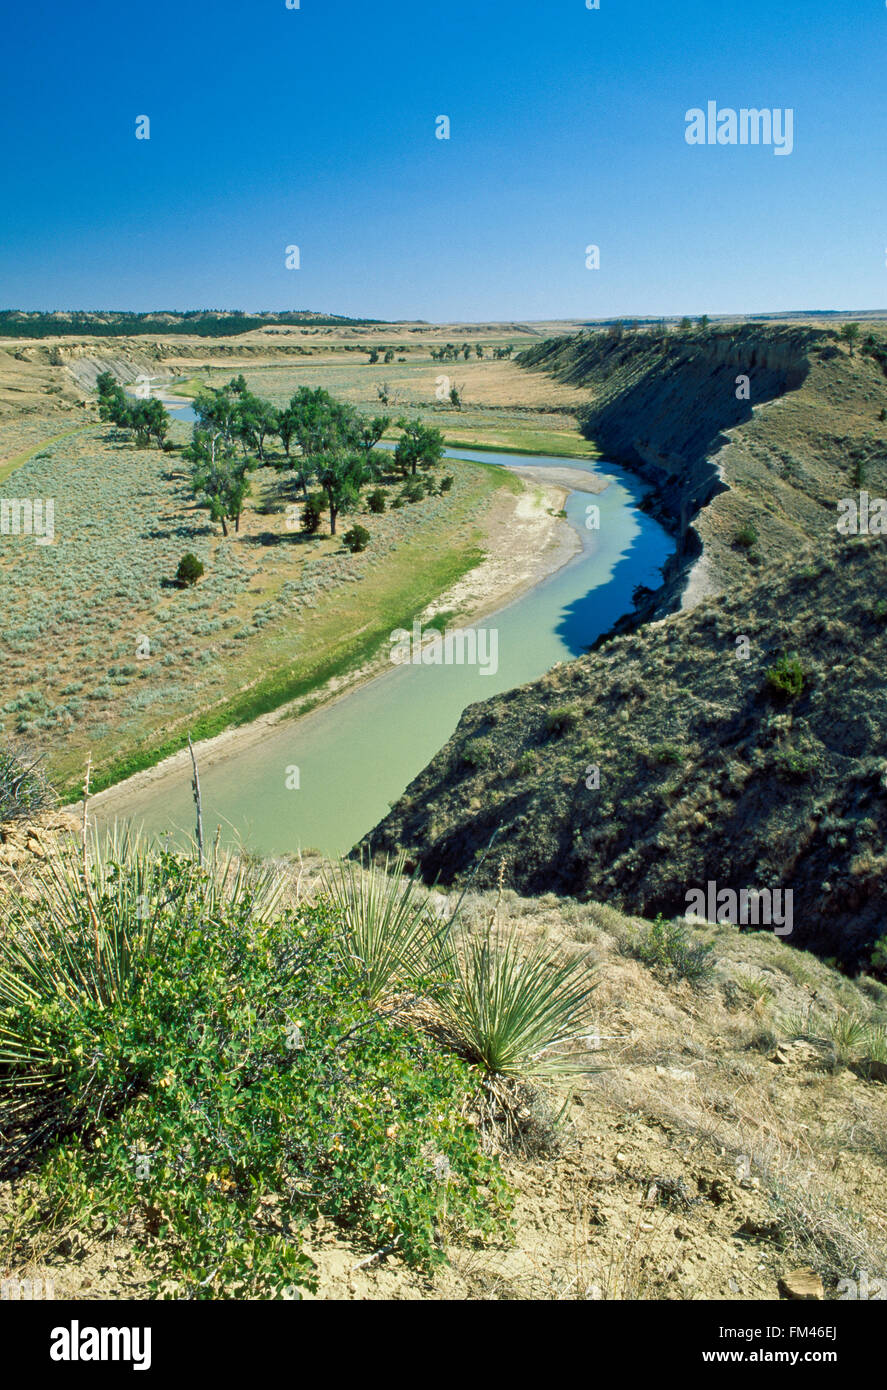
(316, 127)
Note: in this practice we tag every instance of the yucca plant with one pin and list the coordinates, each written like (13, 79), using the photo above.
(76, 949)
(510, 1010)
(390, 936)
(876, 1044)
(848, 1034)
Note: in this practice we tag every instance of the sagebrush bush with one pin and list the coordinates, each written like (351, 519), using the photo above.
(559, 721)
(477, 753)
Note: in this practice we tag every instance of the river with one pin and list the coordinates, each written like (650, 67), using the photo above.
(323, 780)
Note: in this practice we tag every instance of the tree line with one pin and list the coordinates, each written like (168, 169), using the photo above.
(326, 443)
(148, 419)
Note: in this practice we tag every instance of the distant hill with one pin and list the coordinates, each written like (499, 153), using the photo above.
(204, 323)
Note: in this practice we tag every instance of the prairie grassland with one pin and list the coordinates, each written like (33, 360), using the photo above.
(102, 653)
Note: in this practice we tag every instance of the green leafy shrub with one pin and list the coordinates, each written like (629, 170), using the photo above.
(446, 482)
(376, 500)
(212, 1075)
(477, 752)
(189, 571)
(666, 948)
(356, 539)
(746, 536)
(786, 679)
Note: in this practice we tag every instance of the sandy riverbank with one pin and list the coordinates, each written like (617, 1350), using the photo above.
(526, 540)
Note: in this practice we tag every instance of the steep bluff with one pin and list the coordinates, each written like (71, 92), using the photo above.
(704, 773)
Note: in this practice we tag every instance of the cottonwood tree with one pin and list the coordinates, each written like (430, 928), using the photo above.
(255, 419)
(217, 412)
(371, 433)
(341, 475)
(419, 446)
(217, 480)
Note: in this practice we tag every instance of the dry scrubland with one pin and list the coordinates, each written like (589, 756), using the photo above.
(276, 612)
(734, 1129)
(734, 1134)
(77, 611)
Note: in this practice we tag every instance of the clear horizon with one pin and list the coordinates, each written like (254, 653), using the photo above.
(316, 127)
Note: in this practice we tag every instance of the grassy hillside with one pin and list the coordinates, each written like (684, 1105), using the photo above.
(705, 771)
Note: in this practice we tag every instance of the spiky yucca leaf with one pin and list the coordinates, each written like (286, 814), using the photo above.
(389, 930)
(510, 1008)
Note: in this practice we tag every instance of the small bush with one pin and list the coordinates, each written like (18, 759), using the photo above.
(786, 679)
(24, 791)
(478, 752)
(356, 539)
(667, 753)
(446, 483)
(376, 500)
(559, 721)
(189, 571)
(525, 765)
(666, 949)
(746, 536)
(312, 513)
(794, 766)
(413, 490)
